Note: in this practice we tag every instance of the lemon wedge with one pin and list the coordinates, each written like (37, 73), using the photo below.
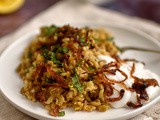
(9, 6)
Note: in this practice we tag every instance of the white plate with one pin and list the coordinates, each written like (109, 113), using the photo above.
(10, 83)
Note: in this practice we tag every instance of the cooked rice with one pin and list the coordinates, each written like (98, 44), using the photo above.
(59, 68)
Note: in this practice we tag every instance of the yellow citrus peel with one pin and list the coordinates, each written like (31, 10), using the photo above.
(9, 6)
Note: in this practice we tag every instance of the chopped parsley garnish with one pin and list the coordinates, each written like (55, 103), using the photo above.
(43, 47)
(59, 71)
(49, 80)
(110, 38)
(50, 30)
(55, 60)
(61, 113)
(65, 49)
(79, 62)
(59, 50)
(76, 83)
(45, 54)
(51, 56)
(96, 40)
(62, 50)
(91, 68)
(55, 47)
(82, 40)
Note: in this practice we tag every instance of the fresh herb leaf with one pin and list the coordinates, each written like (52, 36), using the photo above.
(58, 63)
(82, 40)
(56, 34)
(79, 63)
(49, 80)
(62, 50)
(50, 30)
(55, 47)
(76, 83)
(96, 40)
(91, 68)
(45, 54)
(61, 113)
(110, 38)
(59, 71)
(65, 49)
(43, 47)
(53, 57)
(55, 60)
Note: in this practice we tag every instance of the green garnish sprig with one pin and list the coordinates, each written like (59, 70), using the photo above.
(61, 113)
(76, 82)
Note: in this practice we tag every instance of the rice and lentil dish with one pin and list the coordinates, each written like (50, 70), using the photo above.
(61, 69)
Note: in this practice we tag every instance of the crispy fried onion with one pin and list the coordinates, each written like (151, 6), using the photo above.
(42, 68)
(110, 68)
(109, 91)
(121, 93)
(139, 86)
(115, 81)
(135, 105)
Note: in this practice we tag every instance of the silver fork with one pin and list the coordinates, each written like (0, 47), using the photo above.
(124, 49)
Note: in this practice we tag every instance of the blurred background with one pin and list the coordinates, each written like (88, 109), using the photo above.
(18, 15)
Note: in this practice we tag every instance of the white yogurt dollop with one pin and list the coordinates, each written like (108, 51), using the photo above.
(140, 72)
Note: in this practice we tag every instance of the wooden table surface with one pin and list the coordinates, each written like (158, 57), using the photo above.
(149, 9)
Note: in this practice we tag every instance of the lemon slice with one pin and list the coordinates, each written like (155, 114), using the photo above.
(9, 6)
